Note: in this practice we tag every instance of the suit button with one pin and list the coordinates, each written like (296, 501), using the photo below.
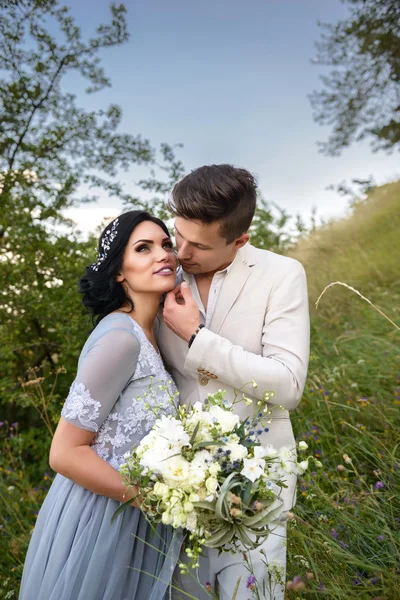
(203, 380)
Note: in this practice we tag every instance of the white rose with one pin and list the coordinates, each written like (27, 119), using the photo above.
(176, 469)
(188, 507)
(212, 484)
(196, 476)
(224, 418)
(237, 451)
(202, 459)
(167, 518)
(303, 445)
(156, 459)
(214, 469)
(160, 489)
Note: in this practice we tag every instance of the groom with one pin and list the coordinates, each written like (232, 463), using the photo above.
(239, 315)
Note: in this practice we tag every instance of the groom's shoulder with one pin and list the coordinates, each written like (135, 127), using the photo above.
(266, 259)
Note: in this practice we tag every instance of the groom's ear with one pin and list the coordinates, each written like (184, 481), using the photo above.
(242, 240)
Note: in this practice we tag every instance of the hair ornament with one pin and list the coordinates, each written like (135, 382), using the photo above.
(106, 241)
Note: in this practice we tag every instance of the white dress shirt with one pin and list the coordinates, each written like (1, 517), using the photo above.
(215, 288)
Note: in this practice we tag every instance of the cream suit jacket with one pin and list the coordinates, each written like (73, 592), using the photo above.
(259, 331)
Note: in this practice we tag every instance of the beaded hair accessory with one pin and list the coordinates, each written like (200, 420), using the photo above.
(106, 242)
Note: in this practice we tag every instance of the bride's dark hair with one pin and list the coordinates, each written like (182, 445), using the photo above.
(102, 294)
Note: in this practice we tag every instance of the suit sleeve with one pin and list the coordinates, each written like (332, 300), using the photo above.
(282, 367)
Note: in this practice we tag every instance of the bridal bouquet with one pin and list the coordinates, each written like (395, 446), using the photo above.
(206, 472)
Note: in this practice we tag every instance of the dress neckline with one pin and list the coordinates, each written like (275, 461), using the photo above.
(156, 351)
(120, 312)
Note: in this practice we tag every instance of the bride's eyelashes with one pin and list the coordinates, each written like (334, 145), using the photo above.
(167, 245)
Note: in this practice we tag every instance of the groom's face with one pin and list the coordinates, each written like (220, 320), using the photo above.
(201, 247)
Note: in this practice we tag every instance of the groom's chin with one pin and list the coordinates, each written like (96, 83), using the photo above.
(190, 268)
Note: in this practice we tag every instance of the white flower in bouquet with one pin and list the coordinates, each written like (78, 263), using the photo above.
(206, 472)
(260, 452)
(161, 489)
(175, 470)
(237, 451)
(199, 415)
(202, 460)
(155, 458)
(191, 522)
(196, 476)
(285, 454)
(214, 469)
(253, 468)
(211, 484)
(167, 518)
(172, 430)
(224, 419)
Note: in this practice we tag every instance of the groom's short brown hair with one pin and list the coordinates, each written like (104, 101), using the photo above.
(217, 193)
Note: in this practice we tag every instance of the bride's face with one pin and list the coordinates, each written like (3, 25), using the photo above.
(149, 261)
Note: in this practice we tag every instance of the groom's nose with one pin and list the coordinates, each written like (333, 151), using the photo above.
(184, 251)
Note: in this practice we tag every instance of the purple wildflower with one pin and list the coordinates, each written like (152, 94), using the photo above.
(251, 580)
(379, 485)
(374, 580)
(334, 533)
(380, 538)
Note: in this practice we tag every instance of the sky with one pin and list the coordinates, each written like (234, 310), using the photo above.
(230, 81)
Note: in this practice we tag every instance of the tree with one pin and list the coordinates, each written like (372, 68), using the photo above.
(49, 149)
(361, 95)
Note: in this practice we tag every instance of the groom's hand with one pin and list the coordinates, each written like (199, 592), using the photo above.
(181, 313)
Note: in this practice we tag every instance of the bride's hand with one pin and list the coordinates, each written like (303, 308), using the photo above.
(133, 493)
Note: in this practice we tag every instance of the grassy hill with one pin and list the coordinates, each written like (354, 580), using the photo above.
(345, 536)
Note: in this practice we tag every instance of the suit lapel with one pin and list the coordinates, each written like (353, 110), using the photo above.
(231, 288)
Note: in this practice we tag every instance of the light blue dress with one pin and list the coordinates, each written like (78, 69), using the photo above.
(76, 553)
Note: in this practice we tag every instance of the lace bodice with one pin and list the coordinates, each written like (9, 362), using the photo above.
(120, 379)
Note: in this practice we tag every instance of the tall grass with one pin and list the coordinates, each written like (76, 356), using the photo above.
(344, 534)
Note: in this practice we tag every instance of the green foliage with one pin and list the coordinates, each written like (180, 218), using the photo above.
(49, 149)
(361, 95)
(274, 229)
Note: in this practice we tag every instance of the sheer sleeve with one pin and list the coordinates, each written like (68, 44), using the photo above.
(104, 371)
